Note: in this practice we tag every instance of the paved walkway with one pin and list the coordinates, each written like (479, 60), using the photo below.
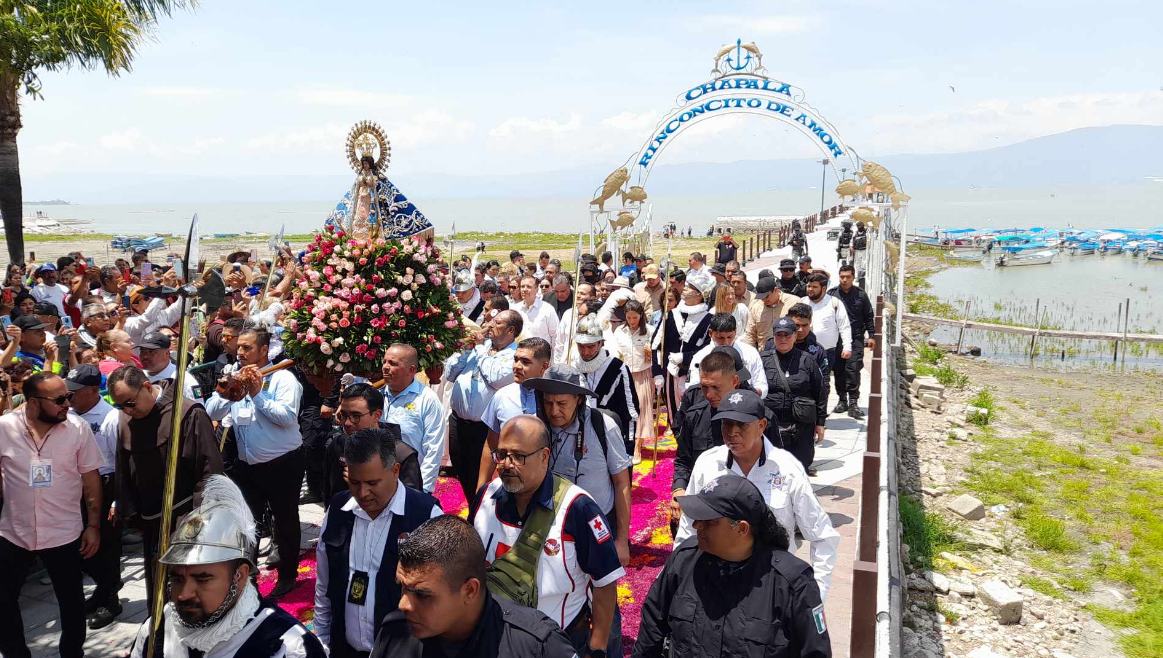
(838, 461)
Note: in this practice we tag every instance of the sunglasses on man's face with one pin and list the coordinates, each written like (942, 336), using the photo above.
(131, 402)
(60, 400)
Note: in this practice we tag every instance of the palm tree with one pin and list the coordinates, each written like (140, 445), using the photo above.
(52, 35)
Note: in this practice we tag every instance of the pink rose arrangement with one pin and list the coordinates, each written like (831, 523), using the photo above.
(360, 296)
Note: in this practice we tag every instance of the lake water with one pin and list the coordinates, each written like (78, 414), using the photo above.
(1106, 206)
(1080, 292)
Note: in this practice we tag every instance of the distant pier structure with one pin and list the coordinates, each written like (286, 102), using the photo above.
(751, 223)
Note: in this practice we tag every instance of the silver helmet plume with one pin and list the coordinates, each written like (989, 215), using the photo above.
(220, 529)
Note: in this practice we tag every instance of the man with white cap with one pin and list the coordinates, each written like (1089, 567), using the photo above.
(607, 376)
(214, 609)
(469, 297)
(777, 474)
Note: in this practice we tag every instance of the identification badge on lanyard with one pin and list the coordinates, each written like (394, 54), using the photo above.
(40, 473)
(245, 415)
(357, 594)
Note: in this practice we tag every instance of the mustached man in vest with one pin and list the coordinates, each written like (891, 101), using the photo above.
(447, 610)
(547, 542)
(607, 376)
(469, 297)
(356, 583)
(214, 609)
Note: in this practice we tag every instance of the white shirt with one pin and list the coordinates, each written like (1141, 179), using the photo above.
(54, 295)
(561, 347)
(167, 373)
(368, 537)
(751, 361)
(540, 320)
(171, 372)
(784, 484)
(104, 420)
(830, 323)
(742, 317)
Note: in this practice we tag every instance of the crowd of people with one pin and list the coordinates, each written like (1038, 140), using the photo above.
(539, 419)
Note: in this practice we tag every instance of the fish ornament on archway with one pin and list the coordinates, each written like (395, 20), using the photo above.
(636, 194)
(881, 179)
(848, 188)
(611, 186)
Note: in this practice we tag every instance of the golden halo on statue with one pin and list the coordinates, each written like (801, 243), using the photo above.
(368, 139)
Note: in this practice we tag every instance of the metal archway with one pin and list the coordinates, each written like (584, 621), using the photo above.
(739, 85)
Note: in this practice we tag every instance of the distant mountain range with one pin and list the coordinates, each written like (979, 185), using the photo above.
(1122, 154)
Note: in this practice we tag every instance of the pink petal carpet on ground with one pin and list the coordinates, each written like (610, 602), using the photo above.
(650, 542)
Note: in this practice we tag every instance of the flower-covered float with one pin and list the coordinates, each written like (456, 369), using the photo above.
(372, 277)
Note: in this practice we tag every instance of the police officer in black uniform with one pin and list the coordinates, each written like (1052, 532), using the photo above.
(446, 610)
(844, 242)
(860, 317)
(805, 271)
(788, 281)
(696, 431)
(795, 393)
(733, 589)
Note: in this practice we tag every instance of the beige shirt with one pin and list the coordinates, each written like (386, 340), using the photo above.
(651, 299)
(763, 318)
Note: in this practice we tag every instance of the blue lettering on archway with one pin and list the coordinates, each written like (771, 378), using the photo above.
(816, 127)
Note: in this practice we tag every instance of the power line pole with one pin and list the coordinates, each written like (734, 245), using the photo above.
(823, 177)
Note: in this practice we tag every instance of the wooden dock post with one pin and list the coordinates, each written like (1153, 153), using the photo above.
(961, 334)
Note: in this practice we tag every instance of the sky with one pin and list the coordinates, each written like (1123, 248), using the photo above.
(255, 88)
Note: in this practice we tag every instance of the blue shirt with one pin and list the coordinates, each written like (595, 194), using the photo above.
(420, 415)
(267, 425)
(511, 401)
(598, 560)
(476, 376)
(594, 470)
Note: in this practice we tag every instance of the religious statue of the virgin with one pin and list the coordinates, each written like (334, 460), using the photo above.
(373, 207)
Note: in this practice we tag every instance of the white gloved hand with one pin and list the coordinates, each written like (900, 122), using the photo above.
(676, 358)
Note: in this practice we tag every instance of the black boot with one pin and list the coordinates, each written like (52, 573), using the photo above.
(854, 411)
(841, 406)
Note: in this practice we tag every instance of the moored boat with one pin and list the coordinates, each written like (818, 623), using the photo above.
(1043, 257)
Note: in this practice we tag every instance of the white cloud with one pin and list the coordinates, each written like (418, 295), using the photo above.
(995, 122)
(125, 140)
(638, 122)
(515, 125)
(427, 128)
(202, 145)
(780, 24)
(312, 139)
(340, 97)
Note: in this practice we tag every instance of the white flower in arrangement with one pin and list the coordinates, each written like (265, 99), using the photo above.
(406, 295)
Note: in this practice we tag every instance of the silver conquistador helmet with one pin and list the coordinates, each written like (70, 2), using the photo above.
(220, 529)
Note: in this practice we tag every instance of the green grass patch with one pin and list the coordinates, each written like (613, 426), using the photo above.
(1043, 586)
(930, 355)
(949, 615)
(926, 533)
(985, 400)
(1047, 533)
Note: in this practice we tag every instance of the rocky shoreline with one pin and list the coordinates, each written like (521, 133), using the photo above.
(975, 601)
